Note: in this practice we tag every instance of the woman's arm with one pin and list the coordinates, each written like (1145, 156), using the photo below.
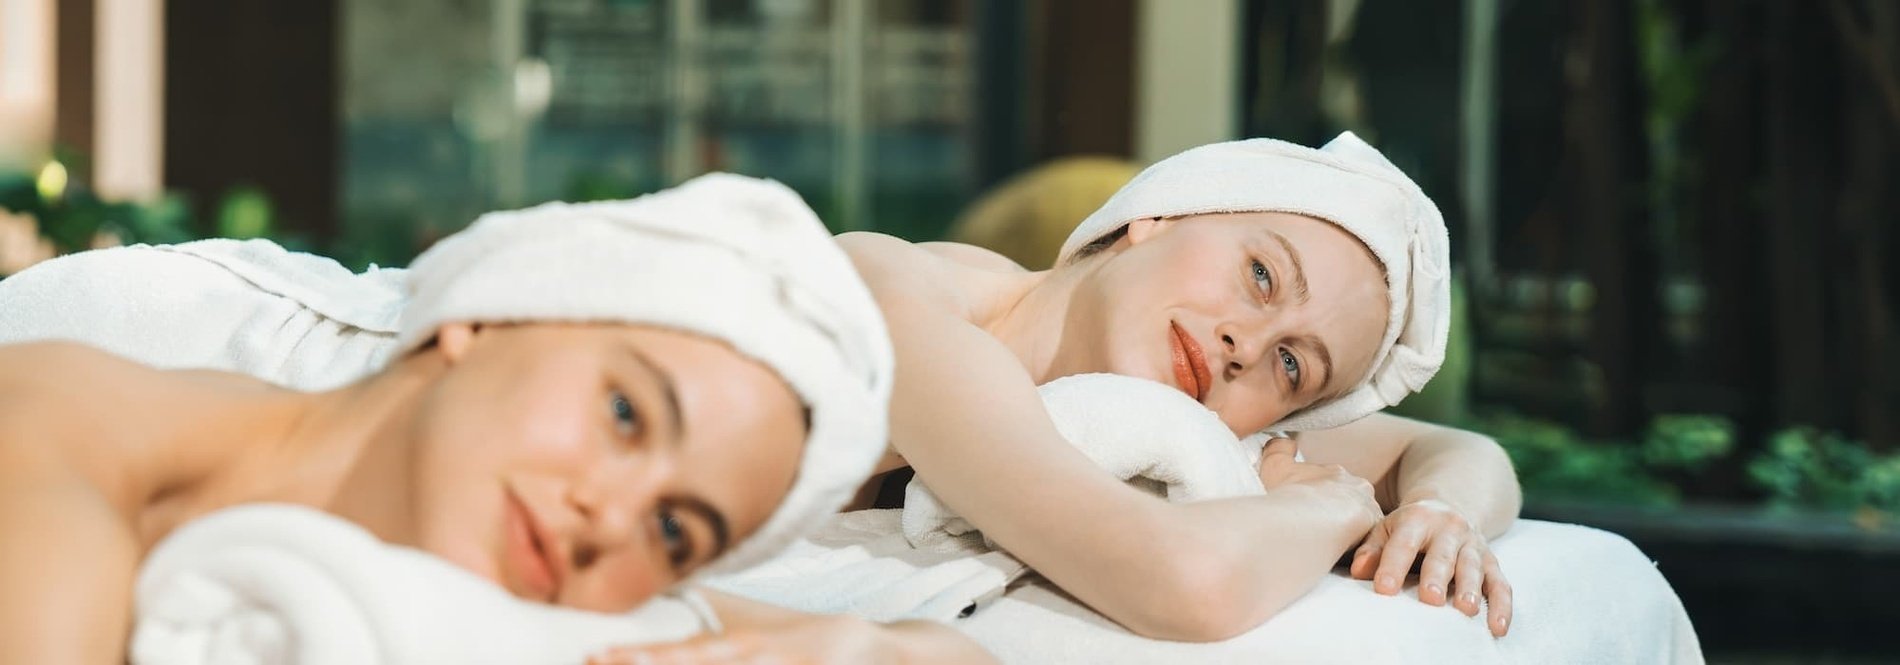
(966, 415)
(67, 561)
(768, 633)
(1410, 461)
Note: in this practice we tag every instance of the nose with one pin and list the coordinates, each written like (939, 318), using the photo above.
(615, 499)
(1243, 341)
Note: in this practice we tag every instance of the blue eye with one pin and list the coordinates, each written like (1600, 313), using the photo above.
(673, 537)
(1291, 366)
(626, 421)
(1262, 277)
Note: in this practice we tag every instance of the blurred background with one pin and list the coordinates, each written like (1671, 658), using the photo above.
(1674, 220)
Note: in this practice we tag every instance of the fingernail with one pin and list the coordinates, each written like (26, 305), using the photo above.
(1386, 583)
(1436, 590)
(1469, 597)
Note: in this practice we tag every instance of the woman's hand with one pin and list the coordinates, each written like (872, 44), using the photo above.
(1279, 471)
(1457, 559)
(811, 640)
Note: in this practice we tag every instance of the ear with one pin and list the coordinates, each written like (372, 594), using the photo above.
(1140, 230)
(454, 339)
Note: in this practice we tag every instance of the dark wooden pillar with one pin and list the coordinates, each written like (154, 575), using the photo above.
(73, 116)
(251, 100)
(1084, 81)
(1801, 124)
(1604, 135)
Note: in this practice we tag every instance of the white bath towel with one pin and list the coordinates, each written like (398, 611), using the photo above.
(1581, 596)
(1149, 434)
(860, 564)
(1346, 182)
(279, 584)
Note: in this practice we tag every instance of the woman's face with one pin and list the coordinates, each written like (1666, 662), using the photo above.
(594, 465)
(1255, 315)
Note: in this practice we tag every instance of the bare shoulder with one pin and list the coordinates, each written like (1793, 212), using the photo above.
(980, 258)
(901, 272)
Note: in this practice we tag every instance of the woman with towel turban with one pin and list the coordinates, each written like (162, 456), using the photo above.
(564, 417)
(1287, 289)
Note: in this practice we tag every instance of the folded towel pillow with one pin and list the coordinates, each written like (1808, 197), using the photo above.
(267, 583)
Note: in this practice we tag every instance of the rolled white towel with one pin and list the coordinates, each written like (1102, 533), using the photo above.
(267, 583)
(1149, 434)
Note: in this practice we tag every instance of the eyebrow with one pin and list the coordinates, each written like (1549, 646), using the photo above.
(1299, 271)
(666, 390)
(721, 535)
(1325, 356)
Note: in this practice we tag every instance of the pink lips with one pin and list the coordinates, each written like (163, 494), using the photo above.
(528, 552)
(1190, 364)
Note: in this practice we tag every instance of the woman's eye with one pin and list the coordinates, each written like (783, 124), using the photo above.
(673, 537)
(626, 421)
(1291, 366)
(1262, 277)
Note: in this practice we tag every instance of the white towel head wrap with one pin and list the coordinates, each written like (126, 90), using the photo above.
(740, 260)
(1348, 183)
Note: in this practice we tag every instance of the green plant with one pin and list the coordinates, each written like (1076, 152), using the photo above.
(1554, 462)
(1808, 468)
(1688, 442)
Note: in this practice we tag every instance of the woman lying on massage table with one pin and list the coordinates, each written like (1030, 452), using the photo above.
(1285, 288)
(976, 334)
(541, 427)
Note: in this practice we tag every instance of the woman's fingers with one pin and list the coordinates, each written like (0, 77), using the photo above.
(1365, 561)
(1497, 592)
(1469, 583)
(1441, 560)
(1398, 555)
(1276, 461)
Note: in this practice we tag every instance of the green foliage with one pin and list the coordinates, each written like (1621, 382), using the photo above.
(245, 213)
(1800, 468)
(1806, 468)
(1688, 441)
(1554, 462)
(73, 216)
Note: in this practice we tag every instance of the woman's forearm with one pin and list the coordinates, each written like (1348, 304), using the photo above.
(930, 643)
(1468, 471)
(1238, 562)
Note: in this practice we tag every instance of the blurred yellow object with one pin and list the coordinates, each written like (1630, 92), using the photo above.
(1027, 217)
(52, 181)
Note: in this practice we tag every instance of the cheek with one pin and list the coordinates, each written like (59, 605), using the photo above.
(617, 582)
(1248, 409)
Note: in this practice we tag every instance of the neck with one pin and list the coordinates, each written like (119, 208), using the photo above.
(345, 450)
(1030, 317)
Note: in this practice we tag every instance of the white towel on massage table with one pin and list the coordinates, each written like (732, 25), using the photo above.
(1582, 595)
(262, 583)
